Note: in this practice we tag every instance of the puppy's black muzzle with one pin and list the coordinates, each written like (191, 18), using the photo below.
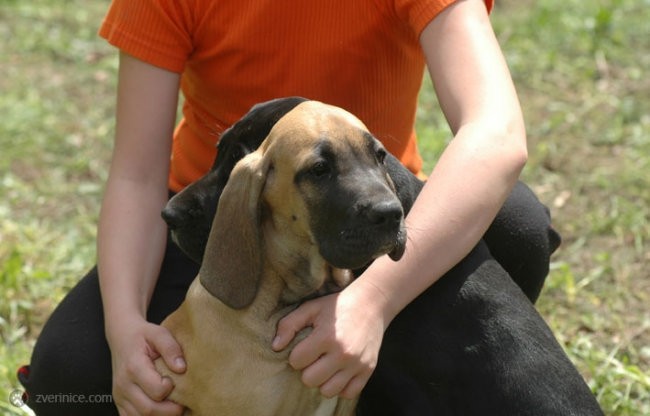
(367, 231)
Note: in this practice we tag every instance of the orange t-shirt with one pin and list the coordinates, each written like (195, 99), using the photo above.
(363, 56)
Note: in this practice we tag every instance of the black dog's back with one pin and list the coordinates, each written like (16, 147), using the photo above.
(472, 344)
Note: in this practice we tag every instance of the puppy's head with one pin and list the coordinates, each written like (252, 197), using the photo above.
(328, 171)
(314, 196)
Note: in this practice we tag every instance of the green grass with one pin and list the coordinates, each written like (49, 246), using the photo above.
(581, 69)
(56, 108)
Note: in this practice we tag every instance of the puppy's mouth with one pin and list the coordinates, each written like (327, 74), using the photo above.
(356, 248)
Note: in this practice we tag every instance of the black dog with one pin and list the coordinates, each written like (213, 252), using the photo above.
(471, 344)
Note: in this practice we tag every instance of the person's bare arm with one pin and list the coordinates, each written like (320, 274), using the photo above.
(477, 170)
(464, 192)
(132, 236)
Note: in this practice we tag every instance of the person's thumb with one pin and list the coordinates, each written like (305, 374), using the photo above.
(293, 323)
(171, 352)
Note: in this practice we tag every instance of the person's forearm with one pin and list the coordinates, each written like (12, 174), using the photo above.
(131, 240)
(131, 233)
(459, 201)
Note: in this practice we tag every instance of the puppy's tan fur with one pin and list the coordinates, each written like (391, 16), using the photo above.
(260, 261)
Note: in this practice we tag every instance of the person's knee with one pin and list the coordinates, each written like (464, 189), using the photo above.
(67, 379)
(70, 368)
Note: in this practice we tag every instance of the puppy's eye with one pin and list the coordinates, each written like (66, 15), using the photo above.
(320, 169)
(381, 156)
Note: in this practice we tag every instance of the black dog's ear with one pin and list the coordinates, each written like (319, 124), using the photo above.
(232, 262)
(407, 185)
(247, 134)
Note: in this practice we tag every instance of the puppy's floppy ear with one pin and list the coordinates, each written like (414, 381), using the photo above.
(232, 263)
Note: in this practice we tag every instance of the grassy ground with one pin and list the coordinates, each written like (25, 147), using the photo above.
(581, 69)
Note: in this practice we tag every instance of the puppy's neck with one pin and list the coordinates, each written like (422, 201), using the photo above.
(293, 269)
(303, 277)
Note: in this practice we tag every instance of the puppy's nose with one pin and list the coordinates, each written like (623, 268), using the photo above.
(385, 213)
(171, 217)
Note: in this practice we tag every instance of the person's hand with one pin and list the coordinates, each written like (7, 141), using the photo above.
(340, 353)
(138, 389)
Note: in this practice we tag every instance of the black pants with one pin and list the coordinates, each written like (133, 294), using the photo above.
(70, 369)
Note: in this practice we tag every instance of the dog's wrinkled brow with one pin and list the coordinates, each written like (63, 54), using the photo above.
(372, 141)
(325, 142)
(369, 137)
(324, 148)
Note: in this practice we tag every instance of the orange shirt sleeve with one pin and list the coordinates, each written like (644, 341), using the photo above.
(154, 31)
(418, 13)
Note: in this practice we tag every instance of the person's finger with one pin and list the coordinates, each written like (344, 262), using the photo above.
(311, 351)
(354, 387)
(319, 369)
(293, 323)
(168, 348)
(142, 373)
(335, 384)
(142, 404)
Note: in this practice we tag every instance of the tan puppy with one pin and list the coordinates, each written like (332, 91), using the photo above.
(313, 202)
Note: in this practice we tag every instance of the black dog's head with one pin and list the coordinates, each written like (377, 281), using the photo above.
(189, 214)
